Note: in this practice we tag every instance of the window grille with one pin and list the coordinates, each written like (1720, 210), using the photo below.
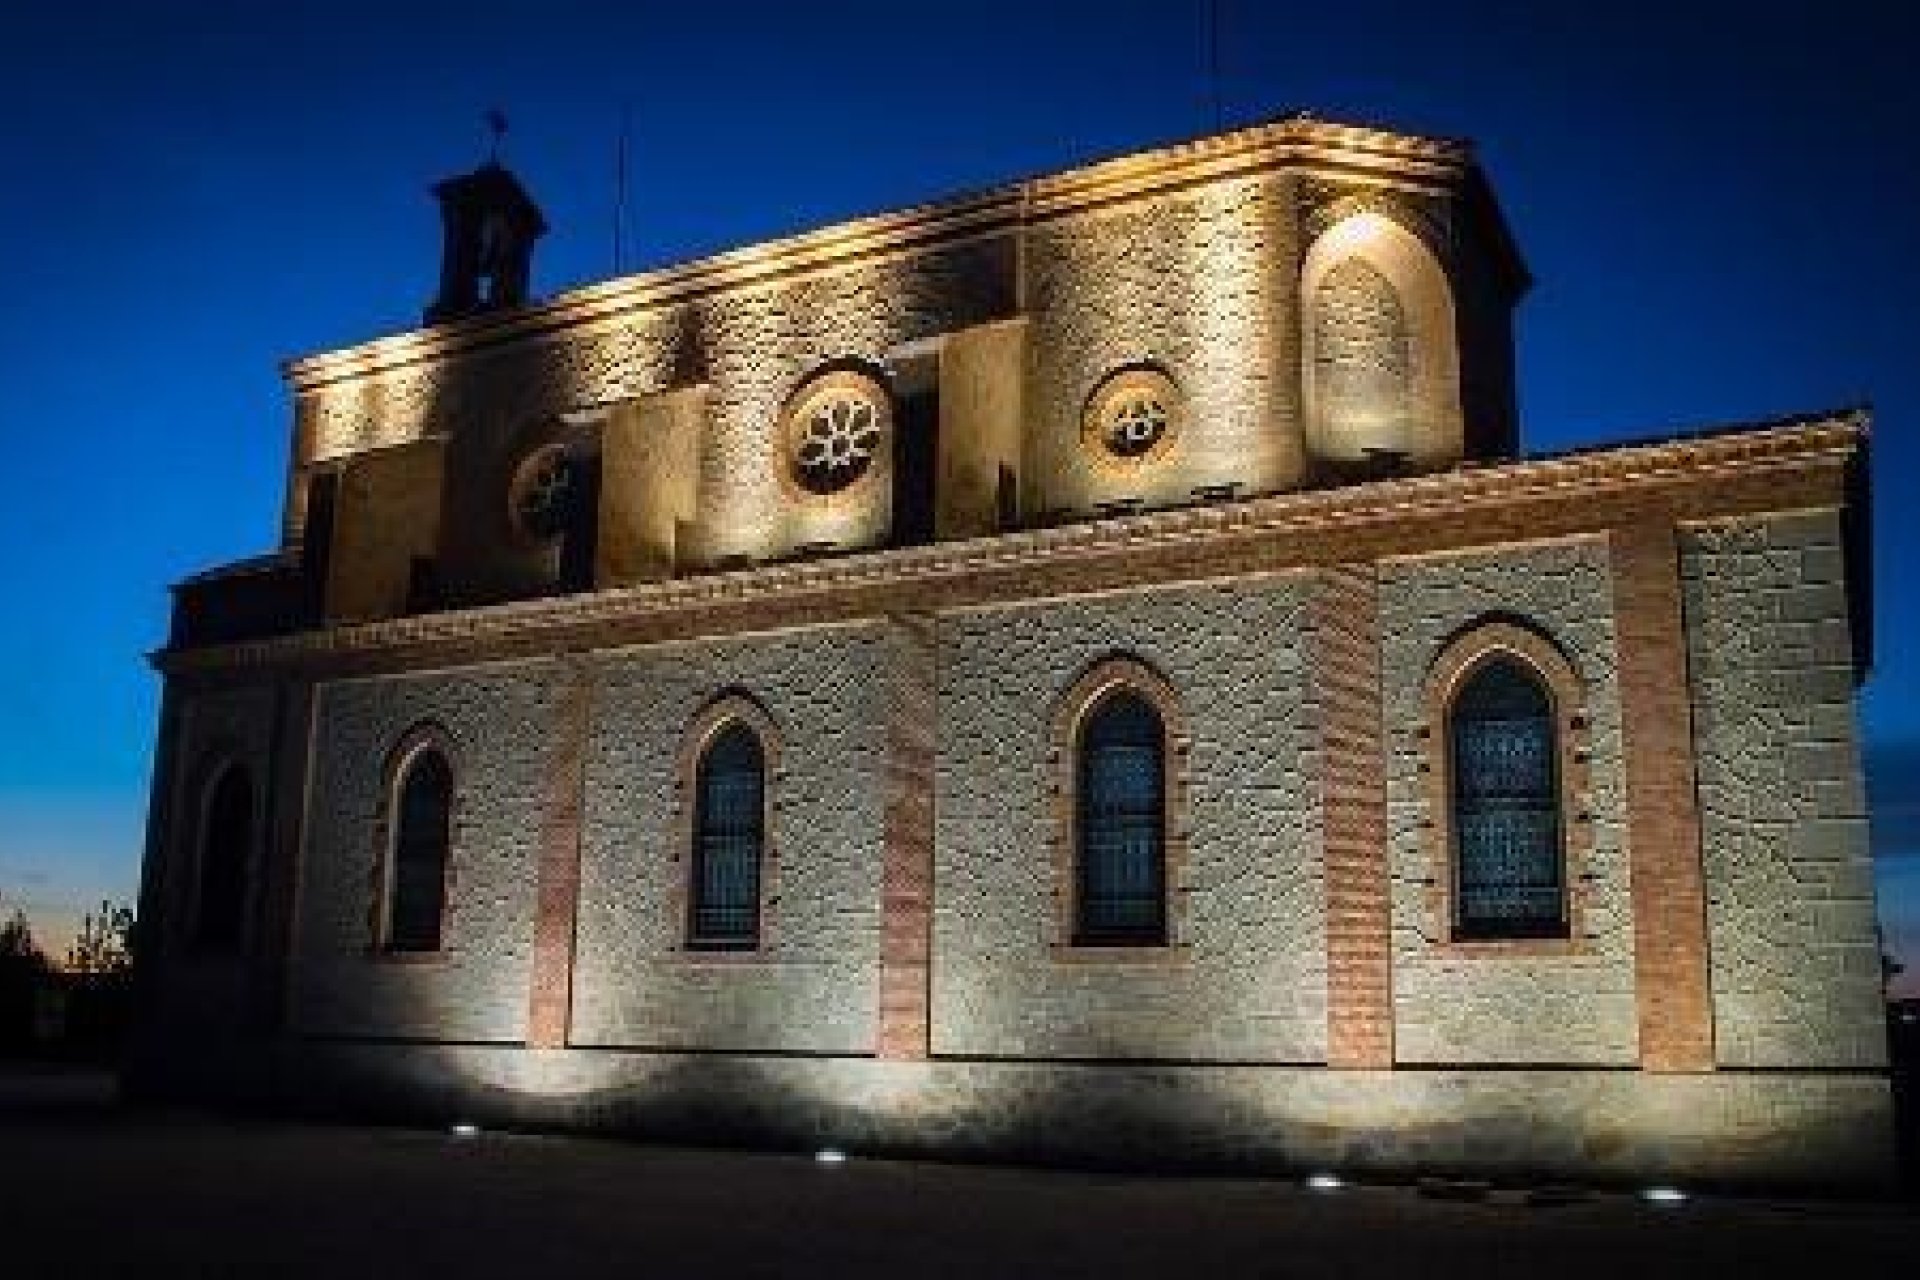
(1506, 807)
(728, 839)
(1121, 890)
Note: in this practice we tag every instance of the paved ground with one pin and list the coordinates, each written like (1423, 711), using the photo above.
(87, 1189)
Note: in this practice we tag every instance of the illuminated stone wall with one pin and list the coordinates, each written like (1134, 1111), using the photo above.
(496, 720)
(814, 986)
(1819, 1131)
(1249, 981)
(1506, 1005)
(1199, 283)
(1197, 273)
(1796, 965)
(753, 346)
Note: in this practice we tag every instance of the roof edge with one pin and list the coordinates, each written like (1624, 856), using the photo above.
(1294, 137)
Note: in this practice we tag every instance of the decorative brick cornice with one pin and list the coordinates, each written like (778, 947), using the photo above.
(1348, 150)
(1785, 467)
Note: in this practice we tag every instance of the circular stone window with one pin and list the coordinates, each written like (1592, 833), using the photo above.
(540, 500)
(835, 433)
(1133, 417)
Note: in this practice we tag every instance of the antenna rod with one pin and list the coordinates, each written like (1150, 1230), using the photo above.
(1213, 64)
(497, 125)
(620, 190)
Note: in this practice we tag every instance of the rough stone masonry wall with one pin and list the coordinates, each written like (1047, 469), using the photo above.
(1790, 910)
(753, 345)
(1458, 1006)
(498, 719)
(1250, 983)
(1822, 1131)
(1200, 282)
(815, 985)
(203, 991)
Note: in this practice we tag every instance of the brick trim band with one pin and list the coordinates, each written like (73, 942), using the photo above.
(557, 883)
(1663, 821)
(1346, 667)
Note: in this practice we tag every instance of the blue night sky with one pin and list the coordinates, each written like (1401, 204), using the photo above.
(1718, 208)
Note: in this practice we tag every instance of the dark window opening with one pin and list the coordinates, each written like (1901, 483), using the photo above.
(225, 839)
(423, 830)
(1121, 873)
(916, 444)
(728, 840)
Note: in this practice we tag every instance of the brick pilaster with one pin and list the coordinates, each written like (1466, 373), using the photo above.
(557, 895)
(906, 876)
(1346, 677)
(1663, 820)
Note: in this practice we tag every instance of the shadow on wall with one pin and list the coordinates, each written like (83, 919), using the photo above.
(1903, 1041)
(1522, 1128)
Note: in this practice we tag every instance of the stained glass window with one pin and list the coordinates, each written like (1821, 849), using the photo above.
(1506, 807)
(423, 831)
(1121, 890)
(728, 838)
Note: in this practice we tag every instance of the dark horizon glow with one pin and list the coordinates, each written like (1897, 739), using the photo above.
(1716, 205)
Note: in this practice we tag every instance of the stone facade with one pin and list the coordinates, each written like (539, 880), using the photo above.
(1507, 1005)
(1796, 964)
(1245, 978)
(813, 985)
(1294, 587)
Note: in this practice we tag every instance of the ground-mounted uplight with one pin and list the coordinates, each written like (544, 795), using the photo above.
(1664, 1195)
(829, 1155)
(1324, 1182)
(465, 1129)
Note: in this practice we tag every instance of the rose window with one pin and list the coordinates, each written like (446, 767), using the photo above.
(1135, 425)
(1133, 418)
(835, 440)
(542, 500)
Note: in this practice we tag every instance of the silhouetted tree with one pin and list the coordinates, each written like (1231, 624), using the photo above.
(105, 942)
(98, 984)
(23, 971)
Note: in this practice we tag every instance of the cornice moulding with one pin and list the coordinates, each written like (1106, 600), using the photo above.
(1827, 443)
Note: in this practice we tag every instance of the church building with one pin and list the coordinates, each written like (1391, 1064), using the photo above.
(1082, 671)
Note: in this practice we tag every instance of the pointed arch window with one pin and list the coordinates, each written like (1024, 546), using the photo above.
(226, 841)
(1120, 865)
(1509, 872)
(422, 834)
(729, 842)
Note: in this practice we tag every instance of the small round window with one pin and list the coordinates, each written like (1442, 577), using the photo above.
(542, 496)
(835, 433)
(1133, 417)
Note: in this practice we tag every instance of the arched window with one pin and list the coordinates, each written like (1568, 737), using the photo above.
(1509, 873)
(729, 837)
(422, 831)
(226, 839)
(1120, 882)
